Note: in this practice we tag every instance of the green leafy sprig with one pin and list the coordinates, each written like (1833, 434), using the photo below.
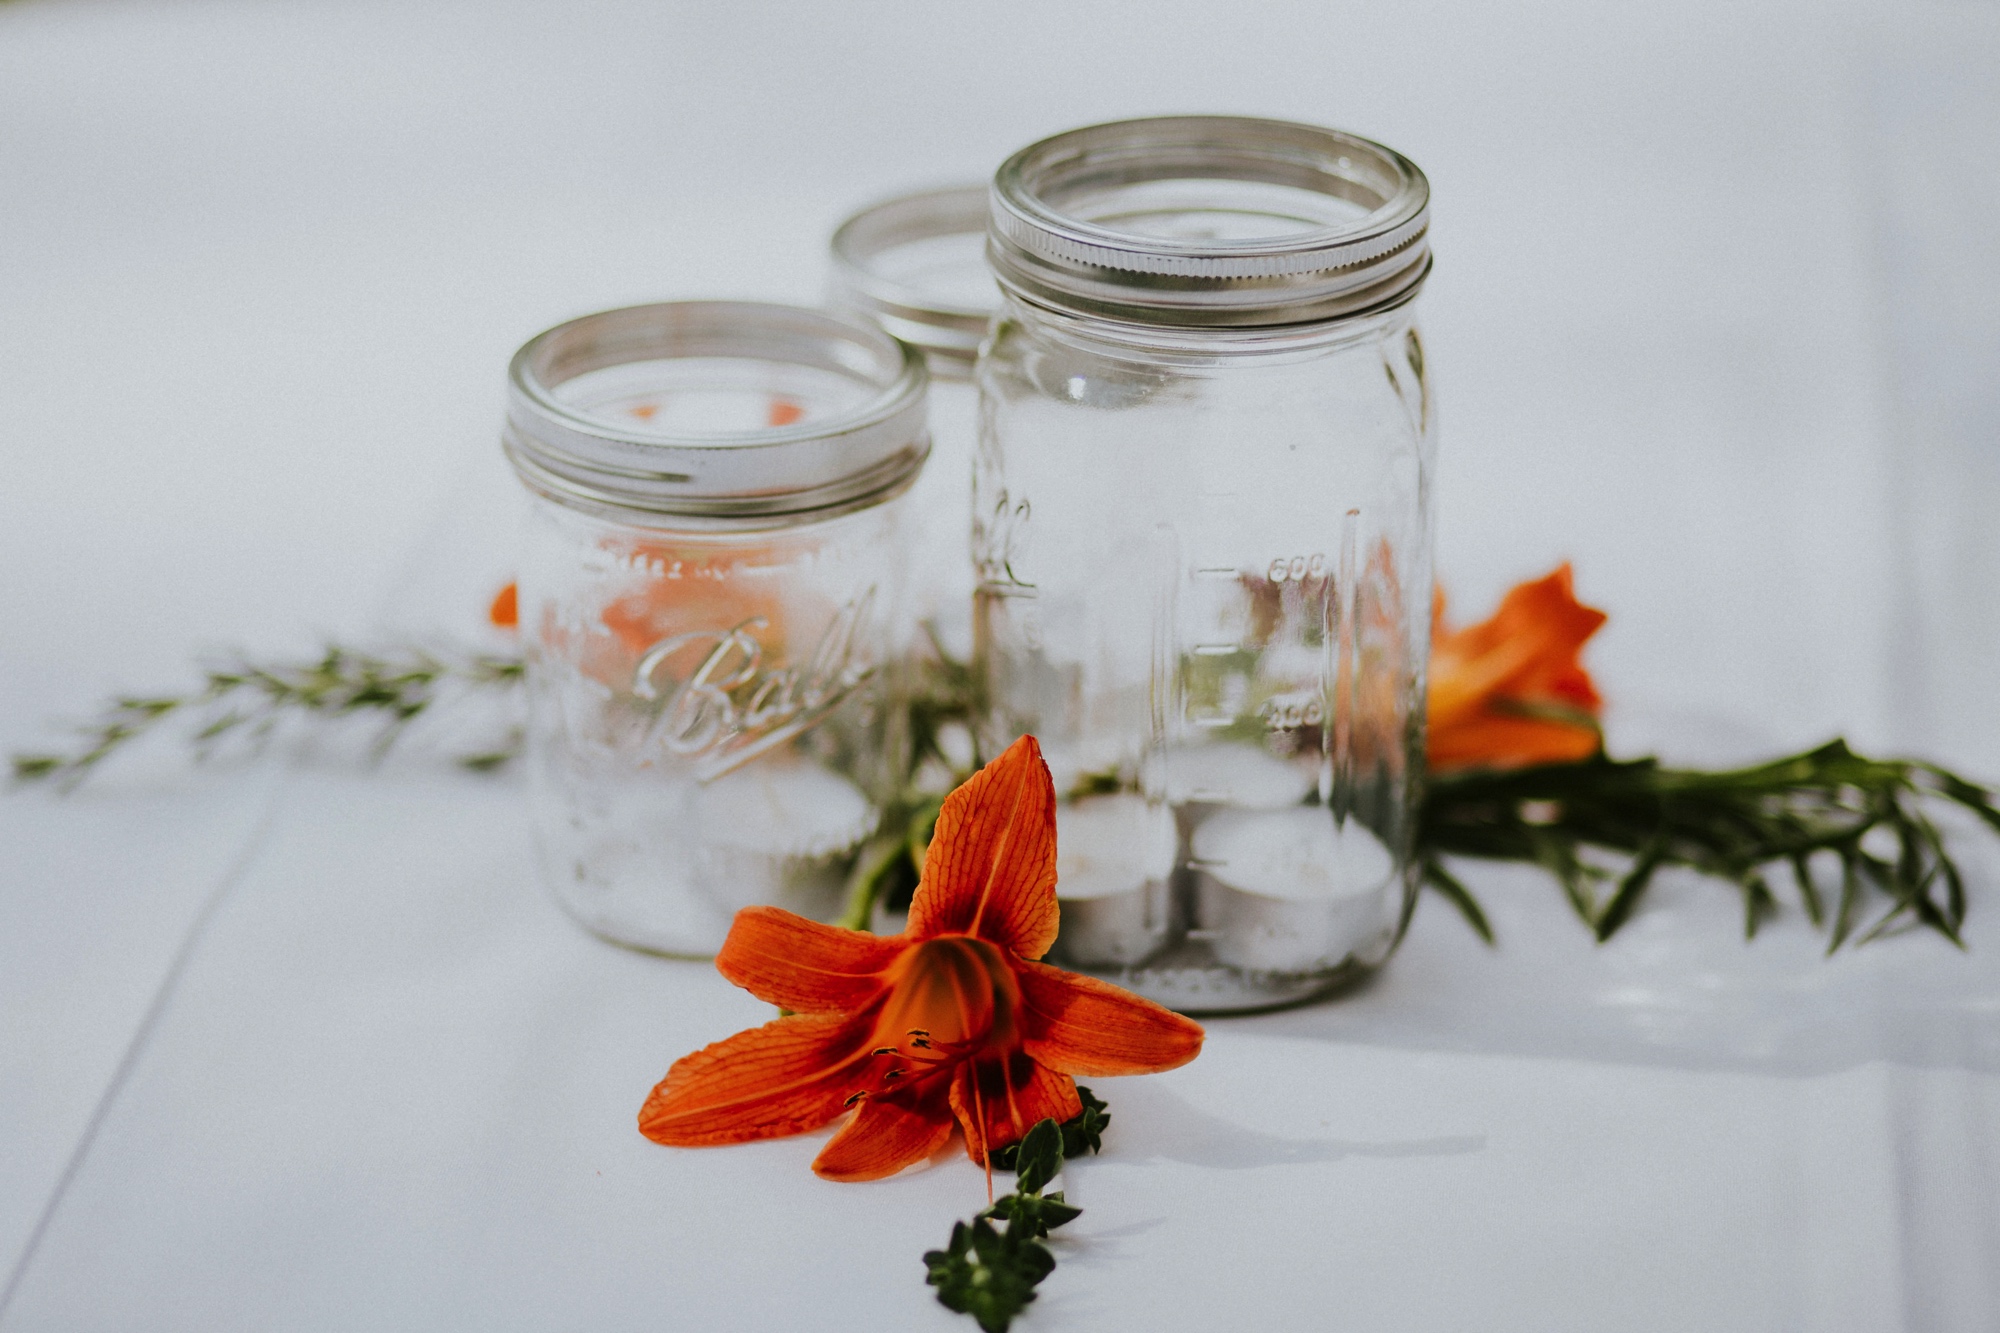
(1884, 862)
(993, 1263)
(1602, 828)
(243, 698)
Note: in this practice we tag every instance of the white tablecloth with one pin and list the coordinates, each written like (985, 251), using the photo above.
(1707, 320)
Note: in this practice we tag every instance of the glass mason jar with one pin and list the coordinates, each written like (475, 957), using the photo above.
(709, 598)
(1203, 539)
(916, 265)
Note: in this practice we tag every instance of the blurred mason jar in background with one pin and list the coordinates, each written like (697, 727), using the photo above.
(916, 265)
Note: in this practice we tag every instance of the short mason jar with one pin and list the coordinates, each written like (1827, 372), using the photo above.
(916, 265)
(710, 595)
(1203, 539)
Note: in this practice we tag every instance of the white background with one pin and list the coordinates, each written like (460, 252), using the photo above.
(1713, 317)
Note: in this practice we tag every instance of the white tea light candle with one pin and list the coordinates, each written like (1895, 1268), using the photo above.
(778, 834)
(1115, 858)
(1287, 890)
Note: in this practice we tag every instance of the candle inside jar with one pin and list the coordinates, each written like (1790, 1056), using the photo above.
(1287, 890)
(1235, 775)
(778, 833)
(1115, 858)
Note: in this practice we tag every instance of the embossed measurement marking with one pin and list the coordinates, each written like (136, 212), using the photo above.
(1298, 567)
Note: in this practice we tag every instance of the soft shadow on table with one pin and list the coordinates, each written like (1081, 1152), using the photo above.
(1178, 1131)
(1680, 987)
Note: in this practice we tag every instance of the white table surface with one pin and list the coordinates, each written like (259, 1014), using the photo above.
(1707, 320)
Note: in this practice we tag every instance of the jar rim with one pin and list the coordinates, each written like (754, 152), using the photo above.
(948, 331)
(840, 460)
(1345, 227)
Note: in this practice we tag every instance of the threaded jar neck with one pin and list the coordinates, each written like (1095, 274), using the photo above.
(731, 413)
(1210, 221)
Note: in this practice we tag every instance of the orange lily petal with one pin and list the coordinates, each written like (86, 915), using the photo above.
(991, 868)
(1498, 738)
(1489, 680)
(786, 1077)
(1012, 1098)
(787, 960)
(1547, 610)
(887, 1135)
(1527, 646)
(1080, 1025)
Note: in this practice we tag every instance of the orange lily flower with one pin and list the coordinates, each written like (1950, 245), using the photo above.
(1511, 691)
(951, 1024)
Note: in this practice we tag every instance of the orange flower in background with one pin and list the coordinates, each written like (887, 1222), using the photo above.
(949, 1025)
(505, 612)
(1511, 691)
(679, 587)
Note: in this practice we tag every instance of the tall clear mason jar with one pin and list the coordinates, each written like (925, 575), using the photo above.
(916, 265)
(1203, 539)
(710, 602)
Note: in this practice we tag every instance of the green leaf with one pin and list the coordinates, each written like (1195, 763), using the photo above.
(1630, 889)
(1808, 892)
(1455, 893)
(1970, 795)
(1081, 1133)
(1758, 903)
(988, 1274)
(1850, 898)
(1084, 1133)
(1032, 1214)
(1039, 1158)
